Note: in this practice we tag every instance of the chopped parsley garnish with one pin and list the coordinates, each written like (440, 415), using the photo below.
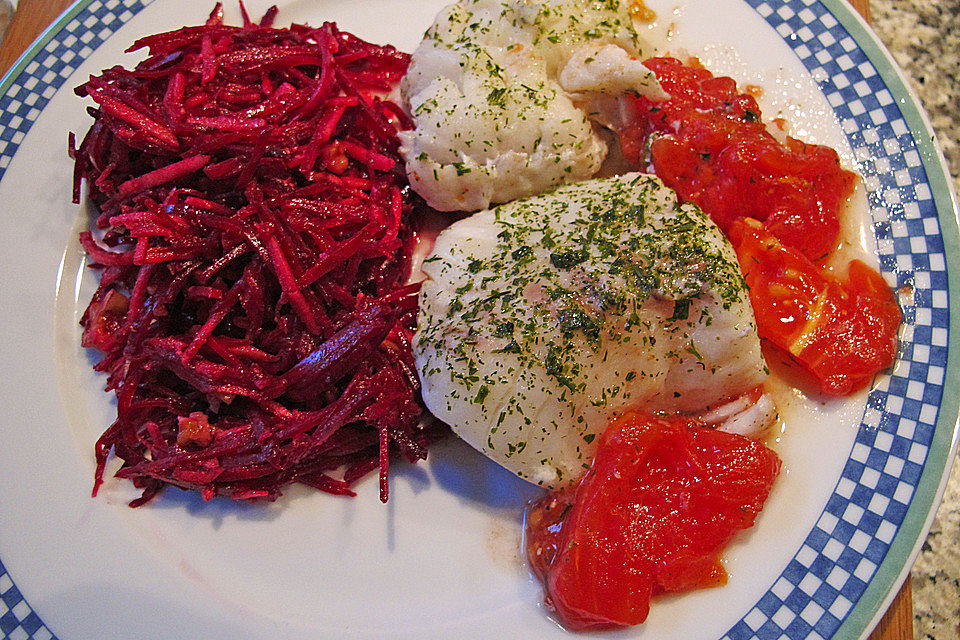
(568, 259)
(498, 97)
(521, 252)
(681, 310)
(503, 330)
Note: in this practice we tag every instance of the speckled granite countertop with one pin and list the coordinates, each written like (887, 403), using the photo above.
(924, 37)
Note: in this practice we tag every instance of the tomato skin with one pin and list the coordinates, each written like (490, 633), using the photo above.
(841, 331)
(662, 499)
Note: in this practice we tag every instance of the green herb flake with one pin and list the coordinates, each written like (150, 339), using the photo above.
(521, 252)
(681, 310)
(482, 394)
(568, 259)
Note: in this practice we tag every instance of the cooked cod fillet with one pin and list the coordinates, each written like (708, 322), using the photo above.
(543, 317)
(504, 94)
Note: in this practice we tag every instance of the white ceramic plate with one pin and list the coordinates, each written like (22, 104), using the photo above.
(441, 560)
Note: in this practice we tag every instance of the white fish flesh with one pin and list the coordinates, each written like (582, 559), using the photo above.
(503, 95)
(542, 318)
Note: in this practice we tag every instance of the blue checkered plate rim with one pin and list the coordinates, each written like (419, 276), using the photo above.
(844, 574)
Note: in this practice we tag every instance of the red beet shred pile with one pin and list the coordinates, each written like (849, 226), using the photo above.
(254, 243)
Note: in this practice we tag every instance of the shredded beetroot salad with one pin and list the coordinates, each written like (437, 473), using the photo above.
(254, 241)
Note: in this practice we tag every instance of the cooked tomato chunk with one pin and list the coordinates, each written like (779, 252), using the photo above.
(713, 149)
(653, 514)
(841, 331)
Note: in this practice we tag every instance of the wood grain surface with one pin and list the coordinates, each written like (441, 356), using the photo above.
(33, 16)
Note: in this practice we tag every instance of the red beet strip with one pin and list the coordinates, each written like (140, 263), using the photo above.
(254, 237)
